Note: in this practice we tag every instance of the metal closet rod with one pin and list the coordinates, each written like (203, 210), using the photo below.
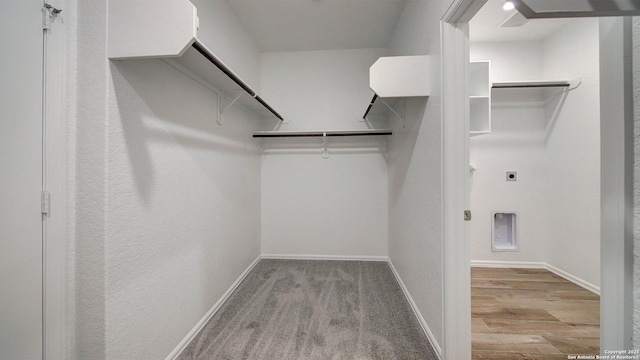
(235, 78)
(269, 134)
(529, 85)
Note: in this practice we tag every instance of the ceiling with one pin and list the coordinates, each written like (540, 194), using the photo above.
(485, 25)
(302, 25)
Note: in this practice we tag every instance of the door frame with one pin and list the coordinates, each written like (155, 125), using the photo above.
(60, 164)
(616, 309)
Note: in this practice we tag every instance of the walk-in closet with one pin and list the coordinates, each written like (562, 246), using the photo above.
(266, 160)
(317, 179)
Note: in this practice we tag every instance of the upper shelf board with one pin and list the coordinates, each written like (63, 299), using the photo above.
(393, 78)
(168, 30)
(143, 29)
(400, 76)
(198, 59)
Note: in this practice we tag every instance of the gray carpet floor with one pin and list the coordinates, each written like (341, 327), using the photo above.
(295, 309)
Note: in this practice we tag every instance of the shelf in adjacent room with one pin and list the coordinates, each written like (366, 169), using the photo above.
(140, 31)
(479, 98)
(330, 133)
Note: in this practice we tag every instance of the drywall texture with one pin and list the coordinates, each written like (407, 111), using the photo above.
(312, 205)
(415, 176)
(636, 177)
(516, 143)
(319, 90)
(573, 151)
(184, 207)
(168, 202)
(510, 61)
(91, 185)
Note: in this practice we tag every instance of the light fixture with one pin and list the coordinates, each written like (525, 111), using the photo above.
(508, 5)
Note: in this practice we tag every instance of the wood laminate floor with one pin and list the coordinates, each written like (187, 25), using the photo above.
(531, 314)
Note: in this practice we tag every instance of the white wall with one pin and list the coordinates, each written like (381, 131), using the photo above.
(90, 153)
(516, 143)
(636, 177)
(415, 176)
(573, 152)
(168, 202)
(311, 205)
(510, 61)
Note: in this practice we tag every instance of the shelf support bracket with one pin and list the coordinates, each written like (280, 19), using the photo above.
(325, 146)
(222, 110)
(574, 83)
(393, 111)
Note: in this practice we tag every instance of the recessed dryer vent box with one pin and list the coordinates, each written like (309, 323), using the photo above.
(504, 231)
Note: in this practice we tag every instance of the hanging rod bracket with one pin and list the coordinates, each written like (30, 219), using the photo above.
(325, 146)
(393, 111)
(222, 110)
(49, 15)
(574, 83)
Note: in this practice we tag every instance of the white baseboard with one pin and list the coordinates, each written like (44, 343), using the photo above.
(192, 334)
(537, 265)
(416, 311)
(574, 279)
(325, 257)
(508, 264)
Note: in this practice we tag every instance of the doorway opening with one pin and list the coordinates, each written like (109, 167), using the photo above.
(616, 150)
(534, 158)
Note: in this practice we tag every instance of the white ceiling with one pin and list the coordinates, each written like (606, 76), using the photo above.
(485, 25)
(302, 25)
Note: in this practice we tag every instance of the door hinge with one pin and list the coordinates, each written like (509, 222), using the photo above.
(45, 202)
(49, 15)
(467, 215)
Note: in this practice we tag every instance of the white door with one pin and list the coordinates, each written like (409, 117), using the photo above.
(21, 39)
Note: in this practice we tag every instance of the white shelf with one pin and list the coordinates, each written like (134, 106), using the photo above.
(480, 115)
(201, 61)
(168, 30)
(394, 78)
(479, 78)
(479, 98)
